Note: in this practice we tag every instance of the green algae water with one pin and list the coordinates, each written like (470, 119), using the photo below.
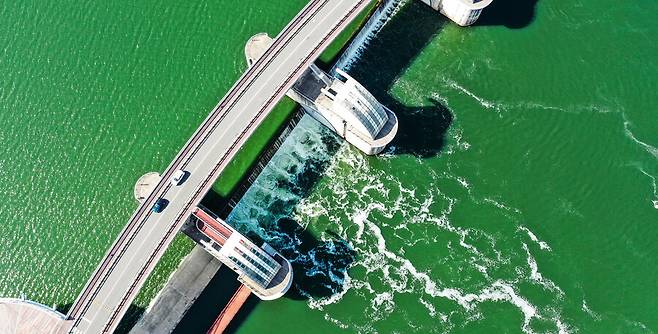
(518, 197)
(92, 96)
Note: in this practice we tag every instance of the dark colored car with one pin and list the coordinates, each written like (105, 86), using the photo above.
(159, 205)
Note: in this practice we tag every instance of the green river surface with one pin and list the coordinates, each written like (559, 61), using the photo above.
(519, 195)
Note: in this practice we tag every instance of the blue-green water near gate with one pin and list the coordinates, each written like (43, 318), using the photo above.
(519, 195)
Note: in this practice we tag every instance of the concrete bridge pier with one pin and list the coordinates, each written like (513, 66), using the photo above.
(145, 185)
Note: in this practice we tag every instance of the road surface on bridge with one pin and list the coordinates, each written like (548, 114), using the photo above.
(122, 272)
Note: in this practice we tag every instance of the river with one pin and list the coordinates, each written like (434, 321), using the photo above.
(519, 196)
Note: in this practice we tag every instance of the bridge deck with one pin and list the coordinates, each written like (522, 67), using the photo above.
(132, 257)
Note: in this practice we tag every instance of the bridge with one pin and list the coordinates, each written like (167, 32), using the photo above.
(132, 257)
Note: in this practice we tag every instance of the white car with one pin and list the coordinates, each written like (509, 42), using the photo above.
(178, 177)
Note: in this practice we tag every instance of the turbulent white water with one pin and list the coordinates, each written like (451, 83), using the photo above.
(374, 25)
(330, 190)
(482, 101)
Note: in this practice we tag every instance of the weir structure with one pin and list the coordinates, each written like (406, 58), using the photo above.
(338, 102)
(132, 257)
(273, 72)
(261, 269)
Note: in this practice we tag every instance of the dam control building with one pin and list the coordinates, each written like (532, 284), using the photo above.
(339, 102)
(262, 269)
(462, 12)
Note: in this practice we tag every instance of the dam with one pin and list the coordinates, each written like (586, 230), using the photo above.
(338, 102)
(284, 66)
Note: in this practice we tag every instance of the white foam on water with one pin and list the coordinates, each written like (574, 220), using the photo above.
(461, 144)
(303, 143)
(483, 102)
(359, 204)
(536, 276)
(335, 321)
(650, 149)
(501, 205)
(490, 64)
(444, 223)
(389, 152)
(537, 105)
(361, 217)
(562, 328)
(429, 307)
(653, 186)
(424, 208)
(310, 209)
(589, 311)
(543, 245)
(320, 303)
(377, 187)
(637, 324)
(382, 304)
(604, 106)
(463, 182)
(498, 291)
(437, 96)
